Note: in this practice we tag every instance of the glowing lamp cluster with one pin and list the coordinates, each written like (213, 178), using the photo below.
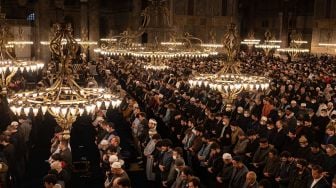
(250, 41)
(108, 39)
(267, 46)
(65, 100)
(155, 54)
(20, 42)
(210, 45)
(156, 67)
(293, 50)
(327, 44)
(13, 66)
(86, 100)
(230, 82)
(172, 43)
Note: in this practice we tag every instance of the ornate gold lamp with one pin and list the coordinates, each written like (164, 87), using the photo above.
(20, 42)
(65, 100)
(295, 48)
(269, 44)
(250, 41)
(9, 65)
(229, 81)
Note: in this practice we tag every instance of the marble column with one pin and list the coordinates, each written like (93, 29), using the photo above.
(171, 12)
(42, 30)
(94, 35)
(84, 15)
(280, 26)
(136, 14)
(84, 23)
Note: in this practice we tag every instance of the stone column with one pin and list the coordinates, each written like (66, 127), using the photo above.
(84, 15)
(136, 14)
(94, 34)
(42, 30)
(171, 12)
(280, 26)
(84, 23)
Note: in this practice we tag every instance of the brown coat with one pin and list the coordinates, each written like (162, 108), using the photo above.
(196, 144)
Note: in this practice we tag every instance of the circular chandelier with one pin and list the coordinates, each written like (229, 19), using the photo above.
(21, 42)
(295, 45)
(269, 44)
(229, 81)
(9, 65)
(158, 51)
(250, 41)
(156, 64)
(65, 99)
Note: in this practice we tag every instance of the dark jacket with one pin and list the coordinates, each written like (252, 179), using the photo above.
(271, 167)
(226, 173)
(260, 156)
(329, 165)
(322, 183)
(316, 158)
(238, 177)
(297, 180)
(284, 172)
(279, 139)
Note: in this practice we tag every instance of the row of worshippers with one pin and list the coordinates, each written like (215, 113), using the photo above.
(60, 161)
(107, 139)
(14, 143)
(154, 89)
(112, 163)
(163, 163)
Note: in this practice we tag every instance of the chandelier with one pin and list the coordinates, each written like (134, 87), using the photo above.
(156, 64)
(170, 49)
(65, 99)
(329, 43)
(250, 40)
(295, 45)
(156, 15)
(229, 81)
(269, 44)
(21, 42)
(84, 41)
(9, 65)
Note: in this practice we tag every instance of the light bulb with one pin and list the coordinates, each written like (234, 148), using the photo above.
(88, 109)
(73, 111)
(18, 110)
(64, 111)
(44, 109)
(81, 111)
(26, 110)
(35, 111)
(107, 104)
(99, 103)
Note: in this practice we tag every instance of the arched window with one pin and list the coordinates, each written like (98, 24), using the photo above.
(31, 17)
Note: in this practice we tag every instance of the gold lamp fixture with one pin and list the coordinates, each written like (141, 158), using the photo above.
(156, 15)
(229, 81)
(65, 100)
(9, 65)
(21, 42)
(295, 48)
(269, 44)
(250, 40)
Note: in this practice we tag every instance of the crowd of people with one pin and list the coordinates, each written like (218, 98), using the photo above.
(284, 137)
(187, 136)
